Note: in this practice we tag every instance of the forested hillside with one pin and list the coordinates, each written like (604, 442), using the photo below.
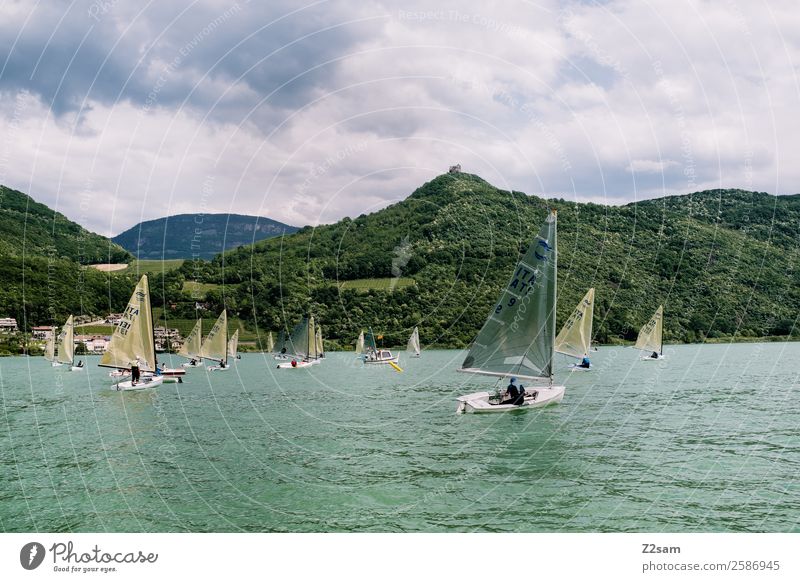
(722, 262)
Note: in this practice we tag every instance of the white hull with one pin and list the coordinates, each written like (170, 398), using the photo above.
(479, 402)
(144, 383)
(577, 368)
(76, 368)
(173, 372)
(55, 364)
(382, 361)
(218, 368)
(651, 358)
(281, 356)
(288, 365)
(197, 364)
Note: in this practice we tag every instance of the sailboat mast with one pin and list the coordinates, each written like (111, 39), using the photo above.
(555, 292)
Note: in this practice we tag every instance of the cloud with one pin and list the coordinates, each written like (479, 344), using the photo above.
(310, 113)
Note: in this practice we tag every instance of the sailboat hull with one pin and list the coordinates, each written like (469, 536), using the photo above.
(288, 365)
(481, 402)
(197, 364)
(76, 368)
(144, 383)
(651, 358)
(577, 368)
(218, 368)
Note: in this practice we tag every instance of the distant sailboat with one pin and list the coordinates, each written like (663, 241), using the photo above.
(132, 342)
(50, 349)
(320, 349)
(215, 346)
(66, 346)
(518, 338)
(302, 346)
(360, 348)
(233, 346)
(650, 337)
(376, 355)
(413, 344)
(282, 349)
(191, 347)
(270, 343)
(575, 337)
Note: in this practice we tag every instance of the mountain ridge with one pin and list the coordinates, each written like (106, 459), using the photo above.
(198, 235)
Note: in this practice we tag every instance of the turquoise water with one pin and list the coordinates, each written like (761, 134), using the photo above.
(706, 440)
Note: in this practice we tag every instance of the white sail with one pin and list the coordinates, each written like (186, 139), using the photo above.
(319, 348)
(191, 347)
(518, 337)
(233, 344)
(649, 339)
(133, 336)
(360, 348)
(66, 346)
(413, 342)
(50, 347)
(575, 337)
(215, 346)
(270, 343)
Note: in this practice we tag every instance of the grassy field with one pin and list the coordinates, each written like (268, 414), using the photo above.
(184, 326)
(377, 284)
(94, 329)
(196, 287)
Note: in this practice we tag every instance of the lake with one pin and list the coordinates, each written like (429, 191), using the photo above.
(705, 440)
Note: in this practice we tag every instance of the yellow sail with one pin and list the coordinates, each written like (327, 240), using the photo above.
(66, 347)
(318, 340)
(649, 339)
(50, 347)
(575, 337)
(133, 336)
(191, 347)
(233, 344)
(215, 346)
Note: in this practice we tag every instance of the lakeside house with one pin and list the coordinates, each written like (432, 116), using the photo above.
(95, 344)
(42, 332)
(8, 325)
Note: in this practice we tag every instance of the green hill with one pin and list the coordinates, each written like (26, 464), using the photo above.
(28, 227)
(722, 263)
(187, 236)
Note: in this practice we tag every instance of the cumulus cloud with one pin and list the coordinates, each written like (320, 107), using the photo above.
(306, 113)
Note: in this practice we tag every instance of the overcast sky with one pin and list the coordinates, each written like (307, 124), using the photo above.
(113, 112)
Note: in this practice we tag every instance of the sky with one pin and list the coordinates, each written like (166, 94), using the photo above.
(305, 112)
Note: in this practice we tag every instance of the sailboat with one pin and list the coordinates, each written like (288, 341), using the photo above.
(413, 344)
(360, 348)
(320, 349)
(50, 349)
(376, 355)
(215, 346)
(575, 337)
(233, 346)
(133, 341)
(191, 347)
(270, 343)
(282, 349)
(518, 338)
(303, 343)
(66, 346)
(650, 337)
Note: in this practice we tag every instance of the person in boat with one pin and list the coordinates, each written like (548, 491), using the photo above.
(585, 363)
(294, 363)
(654, 355)
(135, 371)
(222, 364)
(238, 356)
(193, 362)
(283, 350)
(514, 395)
(80, 364)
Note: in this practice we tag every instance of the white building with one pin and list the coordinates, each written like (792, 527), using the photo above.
(42, 332)
(8, 325)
